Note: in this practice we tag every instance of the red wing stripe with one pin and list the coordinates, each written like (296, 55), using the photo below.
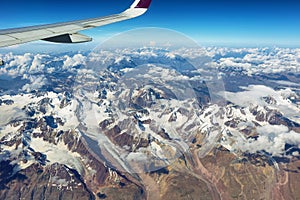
(143, 4)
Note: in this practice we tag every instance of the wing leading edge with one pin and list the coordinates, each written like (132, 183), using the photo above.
(68, 32)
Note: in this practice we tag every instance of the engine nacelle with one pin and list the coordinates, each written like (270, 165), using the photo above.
(69, 38)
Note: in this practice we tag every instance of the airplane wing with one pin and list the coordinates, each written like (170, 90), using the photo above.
(68, 32)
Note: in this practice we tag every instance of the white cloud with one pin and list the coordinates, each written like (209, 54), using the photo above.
(272, 139)
(76, 60)
(18, 65)
(36, 82)
(234, 62)
(164, 74)
(37, 64)
(254, 94)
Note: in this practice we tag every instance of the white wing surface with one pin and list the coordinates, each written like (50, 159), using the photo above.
(68, 32)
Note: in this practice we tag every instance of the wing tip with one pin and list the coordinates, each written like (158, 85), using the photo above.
(142, 4)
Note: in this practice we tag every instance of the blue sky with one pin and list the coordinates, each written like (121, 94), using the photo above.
(209, 22)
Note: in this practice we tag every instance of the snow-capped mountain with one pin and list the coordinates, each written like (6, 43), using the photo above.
(111, 124)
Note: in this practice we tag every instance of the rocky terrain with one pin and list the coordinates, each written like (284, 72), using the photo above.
(145, 126)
